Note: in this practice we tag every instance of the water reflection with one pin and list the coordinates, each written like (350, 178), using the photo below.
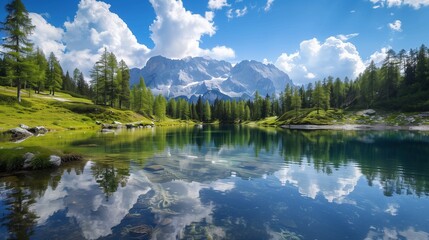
(228, 182)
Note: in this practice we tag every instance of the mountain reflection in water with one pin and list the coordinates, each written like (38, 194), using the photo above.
(227, 182)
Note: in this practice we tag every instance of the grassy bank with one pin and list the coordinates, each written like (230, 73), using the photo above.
(62, 112)
(341, 117)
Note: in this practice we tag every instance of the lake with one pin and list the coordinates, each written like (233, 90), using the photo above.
(229, 182)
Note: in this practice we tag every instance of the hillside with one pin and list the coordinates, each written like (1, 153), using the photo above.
(59, 112)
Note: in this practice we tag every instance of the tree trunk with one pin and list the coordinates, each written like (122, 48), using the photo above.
(18, 90)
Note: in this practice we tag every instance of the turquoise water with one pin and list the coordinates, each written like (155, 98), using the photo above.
(225, 183)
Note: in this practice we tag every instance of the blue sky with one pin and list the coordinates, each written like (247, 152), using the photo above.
(308, 39)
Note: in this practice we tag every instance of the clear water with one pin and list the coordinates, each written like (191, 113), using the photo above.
(224, 183)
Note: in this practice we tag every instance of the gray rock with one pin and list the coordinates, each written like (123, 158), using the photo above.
(38, 130)
(366, 113)
(111, 126)
(28, 159)
(106, 130)
(154, 168)
(55, 160)
(23, 126)
(19, 133)
(117, 123)
(98, 122)
(424, 114)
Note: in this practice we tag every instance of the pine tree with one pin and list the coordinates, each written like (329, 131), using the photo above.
(124, 84)
(160, 106)
(207, 112)
(319, 96)
(112, 82)
(296, 101)
(53, 74)
(39, 75)
(16, 44)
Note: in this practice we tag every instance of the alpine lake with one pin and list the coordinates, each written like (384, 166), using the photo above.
(223, 182)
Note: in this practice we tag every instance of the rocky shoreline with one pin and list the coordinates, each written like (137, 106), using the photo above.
(355, 127)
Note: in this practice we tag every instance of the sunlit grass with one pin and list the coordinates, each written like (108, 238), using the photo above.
(59, 112)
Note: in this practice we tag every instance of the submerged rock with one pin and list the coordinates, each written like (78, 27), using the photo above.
(154, 168)
(106, 130)
(55, 160)
(28, 159)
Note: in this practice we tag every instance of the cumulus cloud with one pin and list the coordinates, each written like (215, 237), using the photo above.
(217, 4)
(396, 26)
(334, 188)
(315, 60)
(177, 32)
(416, 4)
(95, 27)
(47, 37)
(268, 5)
(378, 57)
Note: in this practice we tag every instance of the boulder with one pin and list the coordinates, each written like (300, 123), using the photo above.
(19, 133)
(111, 126)
(38, 130)
(23, 126)
(55, 160)
(366, 113)
(98, 122)
(28, 159)
(117, 123)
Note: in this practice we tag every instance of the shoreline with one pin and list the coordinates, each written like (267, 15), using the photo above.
(356, 127)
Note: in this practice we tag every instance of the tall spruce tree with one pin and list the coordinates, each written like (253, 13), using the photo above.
(17, 27)
(54, 74)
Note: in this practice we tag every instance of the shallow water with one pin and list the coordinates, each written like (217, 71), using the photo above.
(224, 183)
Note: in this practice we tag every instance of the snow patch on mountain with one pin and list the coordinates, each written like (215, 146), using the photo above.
(191, 77)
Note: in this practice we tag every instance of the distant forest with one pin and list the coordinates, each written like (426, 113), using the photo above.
(400, 83)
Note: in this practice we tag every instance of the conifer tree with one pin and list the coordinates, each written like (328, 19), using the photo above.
(17, 27)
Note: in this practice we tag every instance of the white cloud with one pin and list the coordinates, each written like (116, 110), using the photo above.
(378, 57)
(268, 5)
(229, 14)
(347, 37)
(317, 60)
(396, 26)
(334, 188)
(392, 209)
(47, 37)
(177, 32)
(95, 27)
(266, 61)
(241, 12)
(416, 4)
(217, 4)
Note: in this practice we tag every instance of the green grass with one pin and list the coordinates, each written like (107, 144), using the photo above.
(59, 112)
(13, 159)
(311, 116)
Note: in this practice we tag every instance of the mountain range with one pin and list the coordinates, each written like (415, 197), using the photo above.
(190, 78)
